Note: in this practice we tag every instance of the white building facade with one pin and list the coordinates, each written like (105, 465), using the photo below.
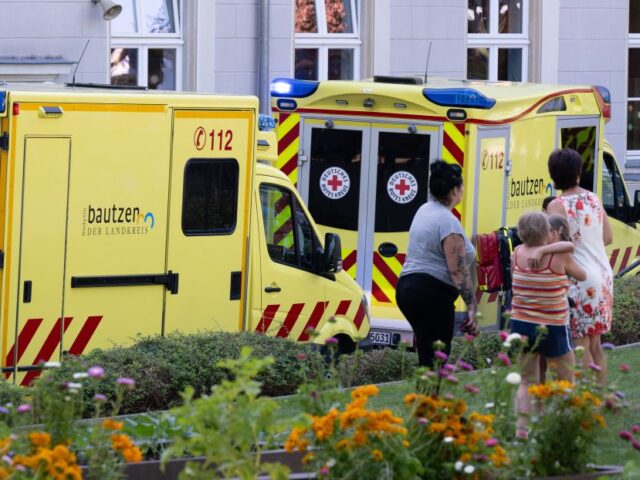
(238, 46)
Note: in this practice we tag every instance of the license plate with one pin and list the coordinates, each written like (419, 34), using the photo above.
(380, 338)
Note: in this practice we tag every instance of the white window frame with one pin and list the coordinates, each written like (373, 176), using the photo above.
(494, 41)
(633, 43)
(144, 41)
(324, 41)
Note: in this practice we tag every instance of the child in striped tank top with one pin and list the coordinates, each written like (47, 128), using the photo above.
(540, 309)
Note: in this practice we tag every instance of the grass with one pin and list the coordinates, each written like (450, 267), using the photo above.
(610, 449)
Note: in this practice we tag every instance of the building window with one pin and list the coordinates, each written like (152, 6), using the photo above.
(633, 82)
(327, 40)
(146, 45)
(497, 40)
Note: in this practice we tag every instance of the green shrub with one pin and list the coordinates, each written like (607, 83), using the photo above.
(625, 326)
(11, 393)
(164, 366)
(376, 366)
(479, 352)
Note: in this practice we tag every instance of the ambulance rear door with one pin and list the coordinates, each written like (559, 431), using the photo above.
(211, 181)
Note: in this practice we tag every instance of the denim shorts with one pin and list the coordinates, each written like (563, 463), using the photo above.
(556, 342)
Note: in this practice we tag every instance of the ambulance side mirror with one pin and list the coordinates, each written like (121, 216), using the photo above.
(332, 255)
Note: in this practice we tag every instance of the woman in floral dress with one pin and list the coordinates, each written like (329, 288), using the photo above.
(590, 230)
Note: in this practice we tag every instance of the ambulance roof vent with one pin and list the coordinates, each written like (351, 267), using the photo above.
(458, 97)
(397, 80)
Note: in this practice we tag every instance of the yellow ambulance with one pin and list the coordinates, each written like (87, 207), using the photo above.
(132, 212)
(359, 153)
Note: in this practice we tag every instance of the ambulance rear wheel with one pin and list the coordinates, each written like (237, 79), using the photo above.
(345, 344)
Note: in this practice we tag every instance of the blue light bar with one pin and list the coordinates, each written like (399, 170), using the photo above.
(458, 97)
(3, 100)
(266, 123)
(292, 88)
(604, 93)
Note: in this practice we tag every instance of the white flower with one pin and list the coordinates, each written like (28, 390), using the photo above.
(331, 462)
(458, 466)
(74, 386)
(507, 344)
(447, 439)
(513, 378)
(514, 336)
(469, 469)
(489, 405)
(579, 348)
(79, 375)
(52, 364)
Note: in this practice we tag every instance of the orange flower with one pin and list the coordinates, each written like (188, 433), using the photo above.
(377, 455)
(109, 424)
(40, 439)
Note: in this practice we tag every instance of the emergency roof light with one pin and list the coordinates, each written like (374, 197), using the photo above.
(292, 88)
(603, 96)
(3, 101)
(266, 123)
(458, 97)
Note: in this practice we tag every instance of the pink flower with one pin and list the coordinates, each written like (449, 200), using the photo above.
(469, 338)
(301, 356)
(635, 428)
(324, 471)
(331, 341)
(422, 421)
(96, 372)
(471, 389)
(98, 397)
(595, 367)
(626, 435)
(503, 335)
(24, 408)
(504, 359)
(624, 367)
(441, 356)
(452, 379)
(492, 442)
(126, 382)
(449, 367)
(636, 444)
(465, 366)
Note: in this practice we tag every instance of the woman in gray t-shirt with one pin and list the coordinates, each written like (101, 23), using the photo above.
(438, 265)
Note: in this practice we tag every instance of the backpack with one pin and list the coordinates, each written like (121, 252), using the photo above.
(493, 259)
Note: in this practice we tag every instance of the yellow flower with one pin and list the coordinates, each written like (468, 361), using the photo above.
(359, 438)
(296, 440)
(541, 391)
(499, 457)
(323, 427)
(307, 458)
(406, 443)
(342, 444)
(377, 455)
(132, 454)
(109, 424)
(40, 439)
(365, 391)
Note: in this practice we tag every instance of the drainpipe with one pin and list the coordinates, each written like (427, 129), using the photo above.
(263, 56)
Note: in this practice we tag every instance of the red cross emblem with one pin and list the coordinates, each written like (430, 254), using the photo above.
(402, 187)
(334, 182)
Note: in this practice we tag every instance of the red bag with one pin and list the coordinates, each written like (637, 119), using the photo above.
(488, 264)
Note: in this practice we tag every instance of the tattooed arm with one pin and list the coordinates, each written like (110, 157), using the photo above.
(454, 252)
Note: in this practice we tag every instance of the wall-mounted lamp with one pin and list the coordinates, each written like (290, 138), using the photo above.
(110, 8)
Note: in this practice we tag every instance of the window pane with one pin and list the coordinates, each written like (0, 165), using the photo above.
(341, 64)
(339, 16)
(403, 169)
(124, 66)
(304, 238)
(158, 16)
(306, 63)
(210, 197)
(510, 64)
(478, 16)
(126, 22)
(633, 126)
(306, 18)
(634, 72)
(478, 63)
(634, 16)
(582, 140)
(162, 68)
(510, 14)
(334, 177)
(278, 224)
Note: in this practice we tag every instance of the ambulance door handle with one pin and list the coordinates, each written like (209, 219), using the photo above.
(26, 292)
(273, 288)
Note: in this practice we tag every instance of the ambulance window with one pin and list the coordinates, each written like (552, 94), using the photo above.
(289, 234)
(210, 197)
(583, 140)
(403, 170)
(614, 196)
(334, 177)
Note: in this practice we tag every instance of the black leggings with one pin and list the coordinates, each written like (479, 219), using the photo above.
(429, 306)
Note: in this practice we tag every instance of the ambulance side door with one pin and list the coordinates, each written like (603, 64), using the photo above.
(293, 293)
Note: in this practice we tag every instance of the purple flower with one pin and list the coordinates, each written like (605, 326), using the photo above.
(98, 397)
(4, 411)
(619, 394)
(480, 457)
(626, 435)
(24, 408)
(608, 346)
(96, 372)
(624, 367)
(636, 444)
(471, 389)
(504, 359)
(465, 366)
(452, 379)
(635, 428)
(595, 367)
(503, 335)
(126, 382)
(449, 367)
(331, 341)
(422, 421)
(441, 356)
(492, 442)
(324, 471)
